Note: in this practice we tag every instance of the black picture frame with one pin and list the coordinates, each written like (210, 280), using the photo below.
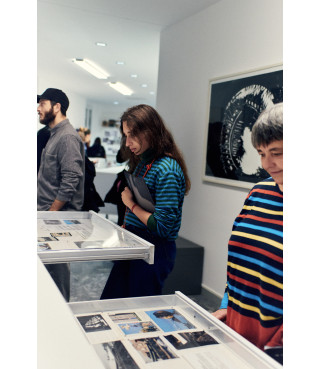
(235, 102)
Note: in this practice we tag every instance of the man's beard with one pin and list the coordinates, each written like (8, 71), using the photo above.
(48, 117)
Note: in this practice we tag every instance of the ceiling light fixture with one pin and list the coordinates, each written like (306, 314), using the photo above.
(101, 44)
(134, 76)
(120, 87)
(144, 85)
(92, 68)
(120, 62)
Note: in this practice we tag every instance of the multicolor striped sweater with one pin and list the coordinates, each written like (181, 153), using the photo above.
(254, 291)
(166, 184)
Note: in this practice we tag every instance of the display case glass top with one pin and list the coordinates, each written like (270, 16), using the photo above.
(86, 236)
(170, 331)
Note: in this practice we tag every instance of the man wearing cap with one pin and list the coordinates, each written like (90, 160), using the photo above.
(61, 172)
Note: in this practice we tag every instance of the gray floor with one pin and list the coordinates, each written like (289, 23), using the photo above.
(89, 278)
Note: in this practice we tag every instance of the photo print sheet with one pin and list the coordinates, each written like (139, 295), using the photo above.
(115, 355)
(96, 328)
(186, 340)
(72, 234)
(138, 327)
(170, 320)
(124, 317)
(153, 349)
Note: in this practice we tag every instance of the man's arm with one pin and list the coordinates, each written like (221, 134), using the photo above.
(57, 205)
(71, 162)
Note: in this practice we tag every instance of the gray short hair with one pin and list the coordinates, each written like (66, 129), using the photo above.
(268, 127)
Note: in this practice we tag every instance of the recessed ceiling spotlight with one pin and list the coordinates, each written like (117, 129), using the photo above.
(116, 102)
(151, 92)
(120, 87)
(144, 85)
(134, 76)
(101, 44)
(92, 68)
(120, 62)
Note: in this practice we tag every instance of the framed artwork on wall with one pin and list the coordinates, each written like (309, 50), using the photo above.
(235, 102)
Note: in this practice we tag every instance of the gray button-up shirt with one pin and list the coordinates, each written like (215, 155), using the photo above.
(61, 173)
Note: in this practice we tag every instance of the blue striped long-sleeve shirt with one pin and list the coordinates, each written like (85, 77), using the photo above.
(166, 184)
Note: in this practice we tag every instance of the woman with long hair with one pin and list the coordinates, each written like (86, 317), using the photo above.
(154, 156)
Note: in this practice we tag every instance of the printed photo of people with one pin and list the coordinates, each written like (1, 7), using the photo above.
(188, 340)
(152, 349)
(93, 323)
(170, 320)
(139, 327)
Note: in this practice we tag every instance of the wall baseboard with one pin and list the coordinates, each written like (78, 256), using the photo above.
(206, 289)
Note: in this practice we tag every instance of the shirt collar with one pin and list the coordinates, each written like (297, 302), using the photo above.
(147, 156)
(59, 125)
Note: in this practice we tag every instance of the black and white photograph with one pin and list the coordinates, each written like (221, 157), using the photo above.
(153, 349)
(124, 317)
(115, 355)
(52, 221)
(93, 323)
(138, 327)
(188, 340)
(170, 320)
(235, 102)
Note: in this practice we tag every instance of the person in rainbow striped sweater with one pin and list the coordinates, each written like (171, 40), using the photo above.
(252, 303)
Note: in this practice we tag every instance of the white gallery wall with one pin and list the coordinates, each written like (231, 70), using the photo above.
(230, 37)
(77, 108)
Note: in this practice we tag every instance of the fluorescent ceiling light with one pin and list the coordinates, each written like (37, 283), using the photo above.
(101, 44)
(120, 62)
(92, 68)
(120, 87)
(144, 85)
(134, 75)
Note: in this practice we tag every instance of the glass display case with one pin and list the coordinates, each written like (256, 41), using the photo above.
(169, 331)
(86, 236)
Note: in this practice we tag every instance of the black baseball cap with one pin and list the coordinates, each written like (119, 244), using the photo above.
(53, 94)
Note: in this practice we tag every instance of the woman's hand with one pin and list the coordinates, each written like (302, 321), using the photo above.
(220, 314)
(127, 197)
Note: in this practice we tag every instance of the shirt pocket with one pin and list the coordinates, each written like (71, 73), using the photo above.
(51, 166)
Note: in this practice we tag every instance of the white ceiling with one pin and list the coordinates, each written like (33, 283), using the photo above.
(68, 29)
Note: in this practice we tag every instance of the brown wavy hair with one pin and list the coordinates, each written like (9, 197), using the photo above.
(145, 119)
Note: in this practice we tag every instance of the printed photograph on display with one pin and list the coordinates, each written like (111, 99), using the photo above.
(51, 221)
(169, 320)
(72, 221)
(61, 234)
(153, 349)
(138, 327)
(93, 323)
(124, 317)
(42, 246)
(186, 340)
(115, 355)
(46, 239)
(235, 102)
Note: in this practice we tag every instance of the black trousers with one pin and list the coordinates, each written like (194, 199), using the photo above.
(133, 278)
